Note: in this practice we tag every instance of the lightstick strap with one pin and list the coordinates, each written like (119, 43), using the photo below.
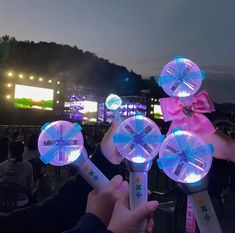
(139, 192)
(93, 175)
(190, 218)
(204, 212)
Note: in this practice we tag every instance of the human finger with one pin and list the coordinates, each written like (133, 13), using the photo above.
(144, 210)
(150, 226)
(124, 197)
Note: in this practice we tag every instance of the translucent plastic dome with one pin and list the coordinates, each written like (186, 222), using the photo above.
(181, 77)
(113, 102)
(138, 139)
(185, 157)
(60, 143)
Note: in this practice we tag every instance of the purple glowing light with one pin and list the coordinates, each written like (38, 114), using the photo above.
(60, 143)
(138, 139)
(185, 157)
(181, 77)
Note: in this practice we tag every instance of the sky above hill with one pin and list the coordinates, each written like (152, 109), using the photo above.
(141, 35)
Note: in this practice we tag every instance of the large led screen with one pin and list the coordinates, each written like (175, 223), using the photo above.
(85, 111)
(127, 109)
(33, 97)
(157, 111)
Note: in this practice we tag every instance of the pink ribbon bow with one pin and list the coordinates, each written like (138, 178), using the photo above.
(187, 115)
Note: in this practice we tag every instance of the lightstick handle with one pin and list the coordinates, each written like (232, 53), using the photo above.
(117, 116)
(139, 192)
(92, 175)
(204, 212)
(190, 218)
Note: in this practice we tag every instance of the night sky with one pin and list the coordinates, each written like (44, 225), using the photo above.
(141, 35)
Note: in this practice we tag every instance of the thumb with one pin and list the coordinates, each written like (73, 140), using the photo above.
(114, 183)
(144, 210)
(108, 137)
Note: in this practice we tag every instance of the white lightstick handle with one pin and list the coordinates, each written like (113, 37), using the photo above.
(92, 175)
(139, 192)
(204, 213)
(117, 116)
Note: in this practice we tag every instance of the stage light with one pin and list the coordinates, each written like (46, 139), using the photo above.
(151, 112)
(151, 99)
(31, 78)
(10, 74)
(58, 92)
(58, 82)
(155, 100)
(152, 105)
(49, 81)
(57, 101)
(21, 75)
(8, 96)
(40, 79)
(9, 85)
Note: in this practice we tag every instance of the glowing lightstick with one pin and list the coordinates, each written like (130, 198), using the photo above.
(61, 143)
(138, 140)
(113, 102)
(181, 77)
(186, 158)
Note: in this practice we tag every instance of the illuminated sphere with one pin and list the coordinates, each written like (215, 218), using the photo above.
(187, 158)
(113, 102)
(181, 78)
(60, 143)
(137, 139)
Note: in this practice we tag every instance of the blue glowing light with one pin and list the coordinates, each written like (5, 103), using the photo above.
(113, 102)
(62, 139)
(138, 139)
(181, 77)
(185, 157)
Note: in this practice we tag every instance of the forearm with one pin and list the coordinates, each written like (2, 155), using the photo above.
(224, 146)
(89, 223)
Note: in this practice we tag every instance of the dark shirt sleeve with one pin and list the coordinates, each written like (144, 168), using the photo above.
(89, 223)
(63, 210)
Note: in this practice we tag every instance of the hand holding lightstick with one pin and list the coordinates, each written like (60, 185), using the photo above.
(113, 102)
(186, 158)
(138, 140)
(61, 143)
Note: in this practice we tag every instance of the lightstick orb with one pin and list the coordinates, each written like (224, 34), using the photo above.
(181, 77)
(60, 143)
(113, 102)
(185, 157)
(138, 139)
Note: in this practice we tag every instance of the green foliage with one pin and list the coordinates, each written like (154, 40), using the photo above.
(71, 63)
(74, 65)
(29, 103)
